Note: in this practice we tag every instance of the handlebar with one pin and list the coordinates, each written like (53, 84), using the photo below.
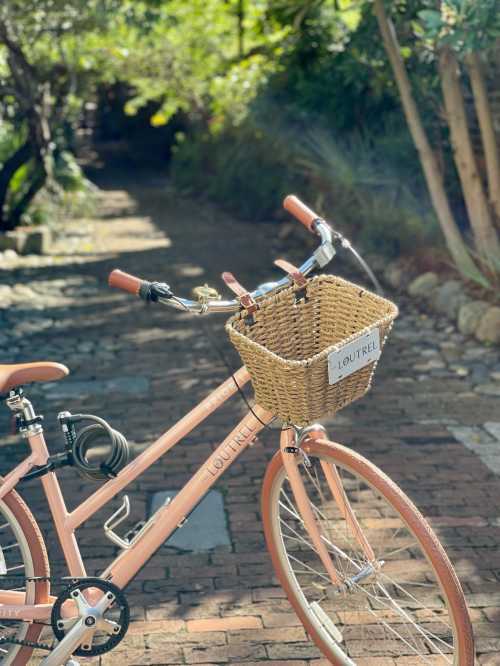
(303, 213)
(161, 292)
(120, 280)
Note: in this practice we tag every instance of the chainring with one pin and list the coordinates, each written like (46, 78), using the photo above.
(120, 604)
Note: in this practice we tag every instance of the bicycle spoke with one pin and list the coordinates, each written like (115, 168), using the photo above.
(17, 558)
(420, 630)
(398, 550)
(310, 569)
(392, 600)
(390, 603)
(436, 618)
(413, 648)
(334, 549)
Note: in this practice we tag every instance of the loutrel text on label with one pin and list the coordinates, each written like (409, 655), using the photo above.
(353, 356)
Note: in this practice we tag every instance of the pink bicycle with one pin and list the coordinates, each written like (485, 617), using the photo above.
(364, 572)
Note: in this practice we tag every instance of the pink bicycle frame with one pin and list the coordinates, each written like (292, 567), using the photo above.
(168, 517)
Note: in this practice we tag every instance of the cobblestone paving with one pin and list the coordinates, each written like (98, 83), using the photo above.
(432, 422)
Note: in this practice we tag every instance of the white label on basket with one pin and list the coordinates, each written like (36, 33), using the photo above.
(353, 356)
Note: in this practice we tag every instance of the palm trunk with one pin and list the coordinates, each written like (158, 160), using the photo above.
(433, 176)
(488, 136)
(485, 235)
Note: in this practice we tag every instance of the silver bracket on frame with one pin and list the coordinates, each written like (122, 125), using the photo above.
(135, 533)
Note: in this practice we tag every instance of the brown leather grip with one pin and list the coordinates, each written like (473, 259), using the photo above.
(299, 210)
(120, 280)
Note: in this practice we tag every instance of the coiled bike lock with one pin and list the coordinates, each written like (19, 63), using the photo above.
(77, 447)
(98, 433)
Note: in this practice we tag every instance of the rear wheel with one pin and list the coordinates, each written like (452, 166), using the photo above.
(405, 607)
(23, 550)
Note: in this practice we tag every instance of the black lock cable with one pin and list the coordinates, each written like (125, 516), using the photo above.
(117, 458)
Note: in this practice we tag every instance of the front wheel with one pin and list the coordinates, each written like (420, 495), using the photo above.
(407, 603)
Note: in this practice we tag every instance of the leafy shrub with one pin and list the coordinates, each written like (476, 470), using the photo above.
(368, 185)
(72, 195)
(243, 168)
(357, 182)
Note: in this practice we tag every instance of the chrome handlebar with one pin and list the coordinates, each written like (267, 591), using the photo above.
(323, 254)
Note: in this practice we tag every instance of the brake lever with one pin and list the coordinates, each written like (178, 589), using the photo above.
(157, 290)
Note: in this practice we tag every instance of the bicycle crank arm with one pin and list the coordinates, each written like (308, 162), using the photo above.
(78, 634)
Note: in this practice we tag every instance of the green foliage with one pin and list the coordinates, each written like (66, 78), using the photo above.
(10, 139)
(358, 181)
(314, 127)
(464, 25)
(337, 75)
(53, 210)
(370, 196)
(185, 55)
(68, 174)
(289, 95)
(244, 169)
(53, 54)
(74, 197)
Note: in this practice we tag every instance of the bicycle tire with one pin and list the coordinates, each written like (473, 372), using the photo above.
(38, 564)
(374, 478)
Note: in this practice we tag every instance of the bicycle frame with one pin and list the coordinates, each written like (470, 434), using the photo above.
(165, 520)
(169, 516)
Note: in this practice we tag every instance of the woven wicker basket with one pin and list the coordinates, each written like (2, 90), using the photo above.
(286, 345)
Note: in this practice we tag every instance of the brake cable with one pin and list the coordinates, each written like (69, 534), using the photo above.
(347, 245)
(227, 364)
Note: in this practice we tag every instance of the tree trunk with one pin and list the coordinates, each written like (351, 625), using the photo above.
(485, 235)
(241, 29)
(10, 166)
(433, 176)
(488, 136)
(37, 182)
(34, 100)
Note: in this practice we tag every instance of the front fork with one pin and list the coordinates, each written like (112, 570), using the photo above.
(291, 453)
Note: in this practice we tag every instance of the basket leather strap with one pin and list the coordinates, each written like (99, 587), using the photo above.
(299, 279)
(243, 296)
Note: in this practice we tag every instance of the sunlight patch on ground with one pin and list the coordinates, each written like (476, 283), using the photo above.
(130, 234)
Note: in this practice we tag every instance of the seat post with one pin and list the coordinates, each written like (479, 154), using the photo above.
(28, 423)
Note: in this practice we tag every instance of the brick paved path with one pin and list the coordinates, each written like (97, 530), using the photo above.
(431, 422)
